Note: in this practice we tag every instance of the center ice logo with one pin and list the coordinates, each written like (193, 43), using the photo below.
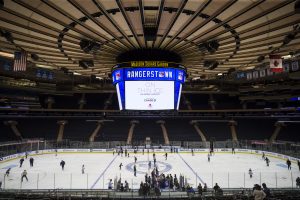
(142, 167)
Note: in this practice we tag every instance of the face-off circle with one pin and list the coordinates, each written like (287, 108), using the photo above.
(142, 167)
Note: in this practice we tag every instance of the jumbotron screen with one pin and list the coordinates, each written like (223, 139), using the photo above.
(149, 95)
(148, 88)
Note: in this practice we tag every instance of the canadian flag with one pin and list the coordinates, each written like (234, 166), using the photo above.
(276, 63)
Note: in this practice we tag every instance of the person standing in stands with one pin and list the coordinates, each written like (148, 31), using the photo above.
(258, 193)
(24, 175)
(289, 163)
(62, 164)
(298, 182)
(266, 191)
(31, 161)
(21, 162)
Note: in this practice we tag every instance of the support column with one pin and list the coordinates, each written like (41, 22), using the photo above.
(82, 101)
(13, 125)
(164, 131)
(212, 102)
(60, 134)
(130, 132)
(232, 124)
(49, 101)
(201, 134)
(96, 131)
(278, 126)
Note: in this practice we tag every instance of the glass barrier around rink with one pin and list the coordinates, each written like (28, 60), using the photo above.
(65, 180)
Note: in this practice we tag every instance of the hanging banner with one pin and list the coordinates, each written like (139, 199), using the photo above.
(275, 63)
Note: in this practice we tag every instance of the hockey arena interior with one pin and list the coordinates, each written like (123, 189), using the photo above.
(150, 99)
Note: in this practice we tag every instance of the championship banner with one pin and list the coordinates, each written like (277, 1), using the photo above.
(276, 63)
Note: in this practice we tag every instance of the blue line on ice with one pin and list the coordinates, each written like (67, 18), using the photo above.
(103, 172)
(191, 168)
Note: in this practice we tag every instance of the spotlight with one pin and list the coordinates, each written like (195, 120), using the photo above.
(88, 46)
(34, 57)
(260, 58)
(210, 47)
(86, 63)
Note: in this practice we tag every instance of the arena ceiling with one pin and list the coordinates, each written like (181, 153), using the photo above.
(244, 30)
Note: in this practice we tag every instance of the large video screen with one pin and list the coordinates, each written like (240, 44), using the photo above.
(149, 95)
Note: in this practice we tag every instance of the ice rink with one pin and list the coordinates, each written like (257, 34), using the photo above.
(229, 171)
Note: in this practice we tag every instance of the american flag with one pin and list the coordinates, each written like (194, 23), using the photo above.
(20, 61)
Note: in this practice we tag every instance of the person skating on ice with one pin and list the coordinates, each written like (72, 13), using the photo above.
(21, 162)
(82, 169)
(7, 172)
(298, 163)
(166, 156)
(267, 161)
(120, 166)
(31, 160)
(134, 170)
(62, 164)
(135, 159)
(289, 163)
(250, 173)
(208, 157)
(24, 175)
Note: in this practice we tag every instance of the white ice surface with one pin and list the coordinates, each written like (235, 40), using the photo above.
(226, 169)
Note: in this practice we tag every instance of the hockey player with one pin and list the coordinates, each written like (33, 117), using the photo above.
(166, 156)
(120, 166)
(154, 162)
(135, 159)
(233, 150)
(126, 152)
(289, 163)
(7, 172)
(82, 169)
(263, 156)
(153, 156)
(21, 162)
(250, 173)
(208, 157)
(62, 164)
(31, 161)
(26, 155)
(134, 170)
(298, 163)
(267, 161)
(193, 154)
(149, 165)
(143, 151)
(110, 184)
(24, 175)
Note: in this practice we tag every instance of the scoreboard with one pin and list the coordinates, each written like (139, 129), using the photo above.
(148, 85)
